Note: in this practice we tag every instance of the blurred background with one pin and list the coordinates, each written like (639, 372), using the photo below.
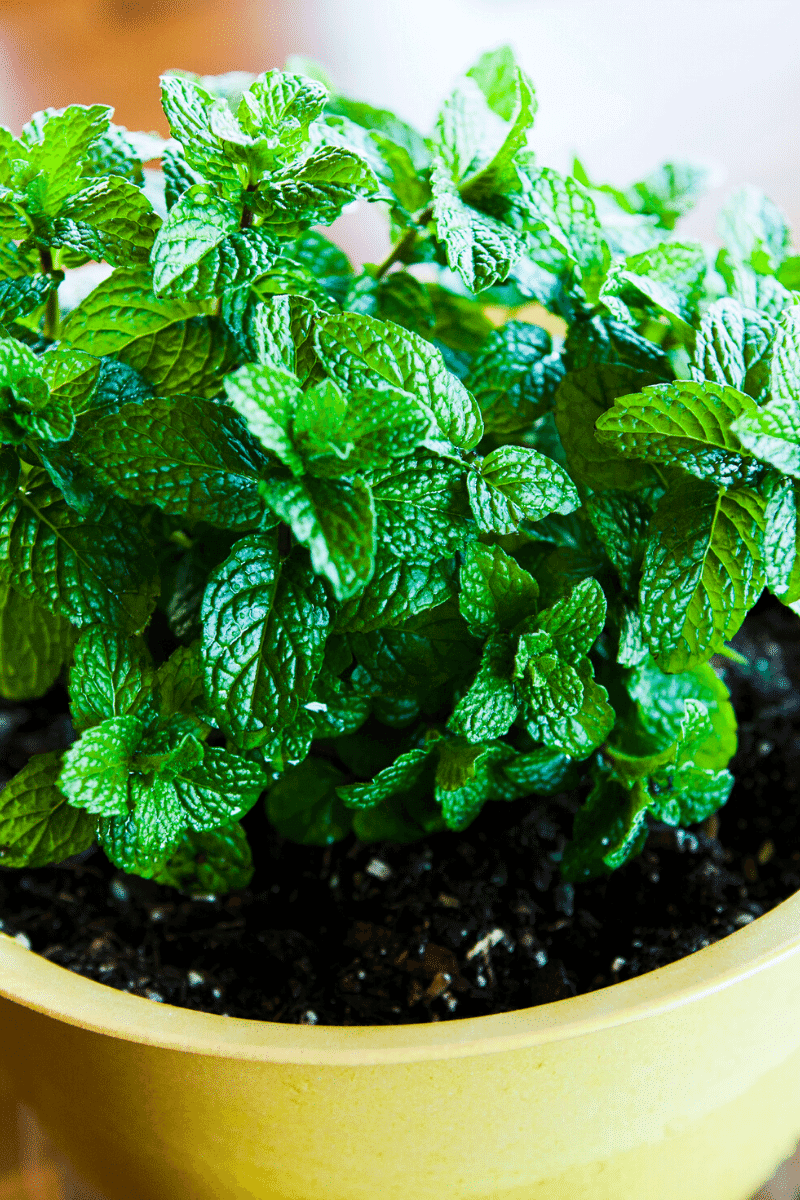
(623, 83)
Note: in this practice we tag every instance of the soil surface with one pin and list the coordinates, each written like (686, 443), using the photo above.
(454, 926)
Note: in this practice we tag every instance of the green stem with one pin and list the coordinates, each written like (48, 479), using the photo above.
(52, 315)
(406, 242)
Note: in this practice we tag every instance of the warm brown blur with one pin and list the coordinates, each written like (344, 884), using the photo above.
(59, 52)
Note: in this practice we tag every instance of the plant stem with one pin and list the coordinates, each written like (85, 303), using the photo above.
(52, 316)
(405, 243)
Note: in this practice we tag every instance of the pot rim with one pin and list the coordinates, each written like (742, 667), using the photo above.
(34, 982)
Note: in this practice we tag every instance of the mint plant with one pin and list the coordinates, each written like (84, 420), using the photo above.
(369, 541)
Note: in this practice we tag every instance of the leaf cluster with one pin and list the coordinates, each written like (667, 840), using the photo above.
(380, 545)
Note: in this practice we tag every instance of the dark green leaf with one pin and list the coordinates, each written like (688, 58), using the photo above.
(304, 805)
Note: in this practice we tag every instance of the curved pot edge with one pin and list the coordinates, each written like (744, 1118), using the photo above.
(34, 982)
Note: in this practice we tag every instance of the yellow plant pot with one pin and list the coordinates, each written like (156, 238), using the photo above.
(681, 1085)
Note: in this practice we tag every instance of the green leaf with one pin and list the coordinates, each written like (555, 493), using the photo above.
(27, 408)
(499, 175)
(58, 143)
(196, 224)
(621, 521)
(187, 357)
(603, 340)
(465, 779)
(755, 230)
(702, 571)
(514, 377)
(264, 628)
(34, 645)
(398, 589)
(266, 397)
(393, 780)
(281, 106)
(18, 297)
(187, 107)
(86, 570)
(314, 193)
(565, 212)
(37, 824)
(335, 519)
(480, 248)
(683, 424)
(304, 806)
(575, 622)
(780, 532)
(496, 593)
(515, 484)
(490, 706)
(98, 767)
(112, 676)
(576, 727)
(180, 681)
(541, 772)
(670, 275)
(422, 509)
(341, 435)
(497, 75)
(669, 192)
(467, 131)
(191, 457)
(109, 220)
(772, 433)
(609, 830)
(581, 399)
(359, 349)
(659, 706)
(121, 310)
(732, 346)
(210, 863)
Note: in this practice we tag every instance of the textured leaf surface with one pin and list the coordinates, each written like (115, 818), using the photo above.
(683, 424)
(191, 457)
(422, 508)
(83, 569)
(121, 310)
(37, 824)
(335, 519)
(496, 593)
(264, 629)
(733, 347)
(186, 357)
(351, 344)
(112, 676)
(515, 484)
(772, 433)
(398, 590)
(196, 224)
(702, 571)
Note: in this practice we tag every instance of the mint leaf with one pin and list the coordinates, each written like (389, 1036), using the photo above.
(136, 452)
(421, 507)
(355, 348)
(490, 706)
(112, 676)
(514, 484)
(186, 357)
(772, 433)
(267, 398)
(732, 347)
(56, 144)
(563, 210)
(120, 311)
(514, 377)
(581, 400)
(465, 779)
(187, 107)
(670, 275)
(398, 589)
(394, 780)
(34, 645)
(97, 769)
(264, 628)
(209, 863)
(335, 519)
(780, 532)
(304, 806)
(109, 220)
(196, 224)
(85, 570)
(496, 593)
(683, 424)
(702, 571)
(480, 248)
(314, 193)
(37, 824)
(755, 230)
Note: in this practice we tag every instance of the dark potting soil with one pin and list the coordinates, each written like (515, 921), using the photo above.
(454, 926)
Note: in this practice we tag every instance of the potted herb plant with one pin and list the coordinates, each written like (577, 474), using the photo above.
(380, 548)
